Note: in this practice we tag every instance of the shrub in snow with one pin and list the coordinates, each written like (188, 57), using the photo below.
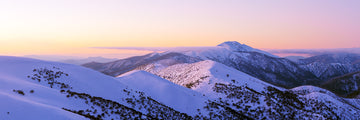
(19, 92)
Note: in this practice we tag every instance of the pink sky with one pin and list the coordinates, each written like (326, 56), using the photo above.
(62, 26)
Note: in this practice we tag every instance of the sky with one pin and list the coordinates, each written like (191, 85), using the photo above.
(77, 27)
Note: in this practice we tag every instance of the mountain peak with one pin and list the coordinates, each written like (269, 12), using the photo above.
(236, 46)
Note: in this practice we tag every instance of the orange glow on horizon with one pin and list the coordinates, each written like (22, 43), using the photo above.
(72, 27)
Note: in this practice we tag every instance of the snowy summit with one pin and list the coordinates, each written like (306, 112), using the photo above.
(238, 47)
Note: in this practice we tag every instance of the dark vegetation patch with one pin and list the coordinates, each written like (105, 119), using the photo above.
(19, 92)
(344, 86)
(272, 103)
(50, 77)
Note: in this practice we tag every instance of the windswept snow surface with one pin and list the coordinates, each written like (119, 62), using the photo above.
(202, 76)
(254, 98)
(177, 97)
(47, 102)
(15, 107)
(14, 72)
(257, 63)
(216, 92)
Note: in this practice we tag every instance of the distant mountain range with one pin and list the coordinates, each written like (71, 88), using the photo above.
(313, 52)
(118, 67)
(88, 60)
(257, 63)
(331, 65)
(71, 59)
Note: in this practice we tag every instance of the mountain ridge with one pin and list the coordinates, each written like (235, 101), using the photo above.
(81, 93)
(260, 64)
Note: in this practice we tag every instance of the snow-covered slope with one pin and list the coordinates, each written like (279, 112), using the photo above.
(34, 89)
(125, 65)
(71, 92)
(344, 108)
(68, 91)
(237, 47)
(15, 107)
(201, 76)
(19, 75)
(257, 63)
(254, 98)
(175, 96)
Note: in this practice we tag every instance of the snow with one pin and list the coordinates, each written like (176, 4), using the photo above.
(221, 52)
(347, 111)
(238, 47)
(177, 97)
(347, 107)
(306, 89)
(15, 107)
(206, 73)
(82, 79)
(166, 86)
(48, 101)
(13, 76)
